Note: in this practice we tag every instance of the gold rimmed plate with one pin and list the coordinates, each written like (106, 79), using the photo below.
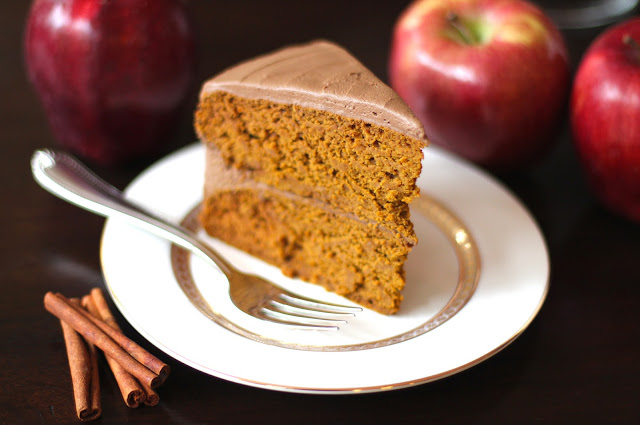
(474, 282)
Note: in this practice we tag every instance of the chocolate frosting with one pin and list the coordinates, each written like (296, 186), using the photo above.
(319, 75)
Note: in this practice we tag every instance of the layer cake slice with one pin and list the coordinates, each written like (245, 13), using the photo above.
(311, 163)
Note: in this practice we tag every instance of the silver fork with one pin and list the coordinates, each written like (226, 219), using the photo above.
(64, 176)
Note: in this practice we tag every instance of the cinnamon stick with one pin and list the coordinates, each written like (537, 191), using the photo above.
(151, 397)
(79, 320)
(96, 403)
(99, 301)
(83, 366)
(132, 391)
(103, 309)
(147, 359)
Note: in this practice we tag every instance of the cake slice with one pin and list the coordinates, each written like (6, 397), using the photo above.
(311, 163)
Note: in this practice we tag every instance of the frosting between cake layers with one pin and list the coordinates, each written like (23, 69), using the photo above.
(319, 75)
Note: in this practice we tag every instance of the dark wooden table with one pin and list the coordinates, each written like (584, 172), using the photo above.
(576, 363)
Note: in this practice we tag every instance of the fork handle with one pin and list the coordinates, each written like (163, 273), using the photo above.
(65, 177)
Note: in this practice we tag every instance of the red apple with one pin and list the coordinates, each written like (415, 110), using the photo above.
(112, 75)
(489, 79)
(605, 117)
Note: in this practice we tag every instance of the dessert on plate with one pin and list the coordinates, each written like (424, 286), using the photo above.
(311, 162)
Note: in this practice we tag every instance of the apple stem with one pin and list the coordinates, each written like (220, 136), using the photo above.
(465, 34)
(631, 42)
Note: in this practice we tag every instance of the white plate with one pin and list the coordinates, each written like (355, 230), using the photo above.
(475, 281)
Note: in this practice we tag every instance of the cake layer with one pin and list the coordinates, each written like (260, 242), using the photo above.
(319, 75)
(356, 259)
(350, 165)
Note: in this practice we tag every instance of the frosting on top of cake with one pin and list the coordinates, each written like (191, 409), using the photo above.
(319, 75)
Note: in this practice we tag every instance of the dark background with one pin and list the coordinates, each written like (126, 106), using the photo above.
(576, 363)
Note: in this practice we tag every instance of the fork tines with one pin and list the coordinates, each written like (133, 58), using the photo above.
(304, 313)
